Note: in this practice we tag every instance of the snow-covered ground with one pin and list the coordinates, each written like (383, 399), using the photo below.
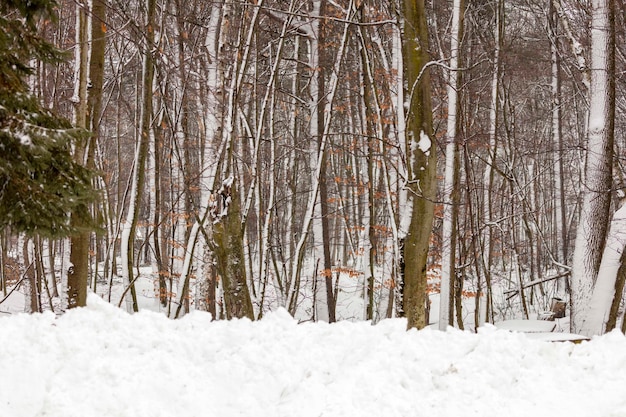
(102, 362)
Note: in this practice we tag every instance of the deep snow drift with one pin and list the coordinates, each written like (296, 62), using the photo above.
(102, 362)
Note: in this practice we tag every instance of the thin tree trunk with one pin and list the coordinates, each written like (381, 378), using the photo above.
(557, 140)
(157, 201)
(78, 275)
(487, 213)
(3, 262)
(51, 258)
(450, 186)
(369, 115)
(32, 305)
(620, 283)
(138, 174)
(207, 277)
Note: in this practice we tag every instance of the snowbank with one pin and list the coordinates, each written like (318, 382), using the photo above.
(100, 361)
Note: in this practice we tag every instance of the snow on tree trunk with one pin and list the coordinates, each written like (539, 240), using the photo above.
(594, 214)
(604, 289)
(450, 208)
(486, 234)
(128, 249)
(208, 169)
(138, 172)
(370, 115)
(317, 150)
(577, 49)
(181, 170)
(229, 257)
(32, 297)
(265, 256)
(393, 177)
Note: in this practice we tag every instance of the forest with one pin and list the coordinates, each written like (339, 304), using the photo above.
(341, 159)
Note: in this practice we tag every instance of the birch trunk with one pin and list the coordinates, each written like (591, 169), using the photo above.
(450, 191)
(370, 114)
(316, 127)
(138, 173)
(32, 304)
(393, 178)
(205, 296)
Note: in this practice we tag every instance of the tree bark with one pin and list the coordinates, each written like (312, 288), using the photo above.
(78, 274)
(601, 313)
(421, 160)
(560, 211)
(593, 223)
(138, 174)
(32, 305)
(488, 176)
(450, 186)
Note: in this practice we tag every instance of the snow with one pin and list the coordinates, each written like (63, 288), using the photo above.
(24, 138)
(424, 143)
(527, 326)
(406, 214)
(101, 361)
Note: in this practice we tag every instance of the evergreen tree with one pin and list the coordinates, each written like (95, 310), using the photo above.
(40, 183)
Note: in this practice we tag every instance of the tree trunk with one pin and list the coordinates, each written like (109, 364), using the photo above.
(138, 174)
(599, 313)
(50, 246)
(320, 235)
(78, 274)
(487, 213)
(557, 140)
(421, 160)
(372, 121)
(3, 262)
(32, 305)
(229, 256)
(594, 214)
(450, 186)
